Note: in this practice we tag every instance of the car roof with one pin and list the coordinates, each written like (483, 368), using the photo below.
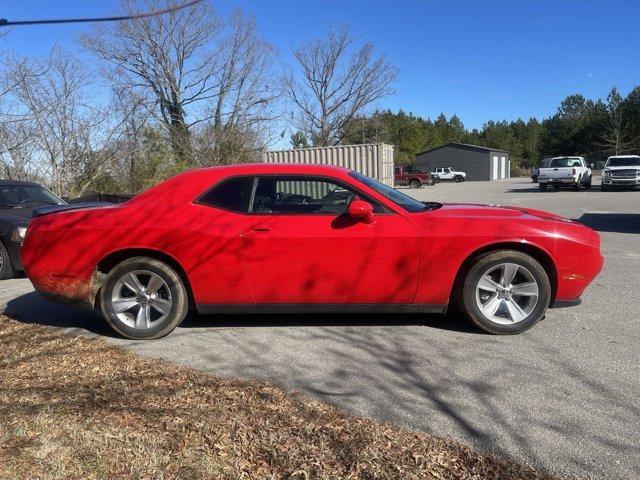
(276, 168)
(623, 156)
(187, 184)
(17, 182)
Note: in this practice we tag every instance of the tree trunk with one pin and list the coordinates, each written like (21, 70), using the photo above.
(179, 137)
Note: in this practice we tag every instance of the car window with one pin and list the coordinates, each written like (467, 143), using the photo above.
(27, 195)
(563, 162)
(232, 194)
(303, 195)
(405, 201)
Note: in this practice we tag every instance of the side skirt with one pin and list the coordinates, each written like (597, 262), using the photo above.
(207, 309)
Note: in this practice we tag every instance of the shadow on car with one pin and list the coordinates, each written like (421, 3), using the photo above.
(612, 222)
(32, 308)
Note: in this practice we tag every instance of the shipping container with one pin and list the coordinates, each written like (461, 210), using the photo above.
(374, 160)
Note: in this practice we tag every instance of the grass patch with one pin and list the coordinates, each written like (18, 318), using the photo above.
(78, 408)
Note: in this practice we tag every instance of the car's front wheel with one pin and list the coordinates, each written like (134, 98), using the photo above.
(458, 178)
(415, 184)
(6, 269)
(505, 292)
(143, 298)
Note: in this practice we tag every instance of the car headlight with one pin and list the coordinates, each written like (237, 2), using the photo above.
(18, 234)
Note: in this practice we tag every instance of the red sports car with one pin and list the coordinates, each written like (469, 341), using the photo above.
(283, 238)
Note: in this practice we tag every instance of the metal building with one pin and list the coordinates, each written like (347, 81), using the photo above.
(374, 160)
(479, 163)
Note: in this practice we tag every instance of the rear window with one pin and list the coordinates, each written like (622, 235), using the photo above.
(232, 194)
(563, 162)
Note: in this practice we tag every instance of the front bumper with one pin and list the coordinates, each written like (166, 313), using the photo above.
(621, 181)
(566, 303)
(13, 248)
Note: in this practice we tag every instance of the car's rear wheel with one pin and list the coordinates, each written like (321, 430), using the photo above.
(415, 184)
(505, 292)
(588, 183)
(143, 298)
(576, 186)
(6, 269)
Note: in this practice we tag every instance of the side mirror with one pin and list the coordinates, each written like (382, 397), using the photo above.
(360, 210)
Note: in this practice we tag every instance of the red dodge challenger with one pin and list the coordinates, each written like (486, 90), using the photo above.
(284, 238)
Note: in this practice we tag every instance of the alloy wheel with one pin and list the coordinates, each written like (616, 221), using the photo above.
(507, 293)
(141, 299)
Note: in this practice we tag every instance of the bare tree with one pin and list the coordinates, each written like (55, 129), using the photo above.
(337, 83)
(246, 91)
(190, 66)
(65, 127)
(17, 151)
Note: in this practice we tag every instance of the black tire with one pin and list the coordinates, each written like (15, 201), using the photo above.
(458, 178)
(534, 179)
(543, 187)
(604, 187)
(175, 286)
(587, 184)
(467, 294)
(576, 186)
(415, 184)
(6, 268)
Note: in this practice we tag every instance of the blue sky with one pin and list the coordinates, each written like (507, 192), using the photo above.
(480, 59)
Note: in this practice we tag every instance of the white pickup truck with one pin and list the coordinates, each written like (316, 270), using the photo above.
(565, 171)
(621, 171)
(449, 173)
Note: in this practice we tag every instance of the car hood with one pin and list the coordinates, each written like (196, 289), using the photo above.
(495, 211)
(16, 215)
(622, 167)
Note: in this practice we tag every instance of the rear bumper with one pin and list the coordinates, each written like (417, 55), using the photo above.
(558, 181)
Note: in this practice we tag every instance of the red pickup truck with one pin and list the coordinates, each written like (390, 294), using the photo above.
(409, 175)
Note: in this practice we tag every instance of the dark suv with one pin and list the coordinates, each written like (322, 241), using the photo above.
(18, 200)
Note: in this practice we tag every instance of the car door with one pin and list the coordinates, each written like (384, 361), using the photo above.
(300, 247)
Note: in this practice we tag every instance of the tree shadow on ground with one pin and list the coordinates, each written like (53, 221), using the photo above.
(32, 308)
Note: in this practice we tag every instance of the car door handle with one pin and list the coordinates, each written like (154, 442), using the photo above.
(260, 228)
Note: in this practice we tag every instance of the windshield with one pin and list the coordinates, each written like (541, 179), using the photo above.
(623, 162)
(563, 162)
(405, 201)
(27, 195)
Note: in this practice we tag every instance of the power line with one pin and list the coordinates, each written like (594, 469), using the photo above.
(6, 23)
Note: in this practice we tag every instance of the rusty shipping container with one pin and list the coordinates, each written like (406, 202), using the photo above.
(374, 160)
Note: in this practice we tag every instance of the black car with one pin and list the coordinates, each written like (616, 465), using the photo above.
(18, 200)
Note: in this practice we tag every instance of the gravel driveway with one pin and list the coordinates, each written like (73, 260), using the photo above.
(563, 396)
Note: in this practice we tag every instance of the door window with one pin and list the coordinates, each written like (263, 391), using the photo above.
(299, 195)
